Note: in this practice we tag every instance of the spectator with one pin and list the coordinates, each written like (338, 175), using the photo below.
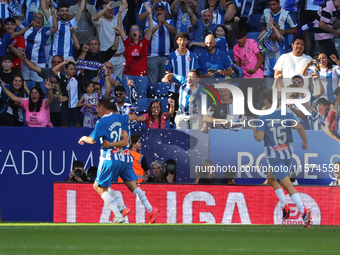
(155, 118)
(333, 119)
(202, 28)
(328, 74)
(230, 13)
(189, 113)
(12, 112)
(98, 89)
(35, 39)
(62, 43)
(114, 81)
(120, 95)
(88, 102)
(282, 17)
(217, 12)
(214, 63)
(91, 52)
(322, 109)
(181, 61)
(160, 44)
(152, 4)
(47, 73)
(105, 21)
(136, 53)
(324, 31)
(290, 64)
(158, 170)
(18, 42)
(6, 71)
(37, 108)
(182, 18)
(271, 44)
(77, 173)
(205, 174)
(140, 165)
(85, 28)
(70, 93)
(336, 172)
(308, 14)
(247, 55)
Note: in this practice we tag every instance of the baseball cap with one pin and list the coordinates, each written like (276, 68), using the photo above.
(159, 5)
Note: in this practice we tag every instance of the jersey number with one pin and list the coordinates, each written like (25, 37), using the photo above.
(279, 135)
(116, 136)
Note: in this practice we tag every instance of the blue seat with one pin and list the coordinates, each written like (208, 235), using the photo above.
(162, 89)
(143, 105)
(164, 103)
(254, 22)
(253, 35)
(231, 54)
(151, 89)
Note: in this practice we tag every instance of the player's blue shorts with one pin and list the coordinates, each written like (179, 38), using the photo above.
(126, 172)
(107, 172)
(279, 167)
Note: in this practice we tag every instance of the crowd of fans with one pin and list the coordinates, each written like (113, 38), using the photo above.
(59, 58)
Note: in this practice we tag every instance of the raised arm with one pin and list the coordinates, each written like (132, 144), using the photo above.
(167, 78)
(10, 94)
(74, 37)
(81, 10)
(148, 33)
(45, 9)
(50, 95)
(15, 34)
(31, 65)
(172, 108)
(173, 7)
(304, 70)
(54, 27)
(97, 16)
(191, 14)
(56, 68)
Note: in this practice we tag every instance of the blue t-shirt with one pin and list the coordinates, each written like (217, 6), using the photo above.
(218, 61)
(278, 139)
(200, 32)
(5, 41)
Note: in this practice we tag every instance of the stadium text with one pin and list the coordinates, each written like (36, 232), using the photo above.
(253, 123)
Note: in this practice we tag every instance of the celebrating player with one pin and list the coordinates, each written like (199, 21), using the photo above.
(278, 147)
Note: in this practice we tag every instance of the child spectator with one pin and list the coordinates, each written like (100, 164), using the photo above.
(6, 71)
(88, 102)
(322, 109)
(69, 88)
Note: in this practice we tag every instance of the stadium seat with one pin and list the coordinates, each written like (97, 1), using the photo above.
(253, 35)
(254, 22)
(164, 103)
(143, 105)
(162, 89)
(151, 90)
(231, 54)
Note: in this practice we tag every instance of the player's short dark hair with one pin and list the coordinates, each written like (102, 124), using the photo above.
(240, 33)
(105, 103)
(10, 19)
(183, 35)
(268, 94)
(198, 74)
(134, 139)
(298, 37)
(114, 107)
(70, 64)
(77, 164)
(7, 57)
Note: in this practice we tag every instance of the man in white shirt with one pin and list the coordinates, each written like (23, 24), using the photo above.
(290, 64)
(105, 22)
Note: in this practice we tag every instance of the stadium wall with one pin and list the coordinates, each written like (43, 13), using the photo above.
(32, 159)
(197, 204)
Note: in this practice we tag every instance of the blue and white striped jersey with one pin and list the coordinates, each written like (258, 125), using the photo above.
(62, 43)
(278, 138)
(181, 65)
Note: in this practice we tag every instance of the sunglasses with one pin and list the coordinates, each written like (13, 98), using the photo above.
(120, 94)
(97, 89)
(109, 67)
(297, 81)
(134, 29)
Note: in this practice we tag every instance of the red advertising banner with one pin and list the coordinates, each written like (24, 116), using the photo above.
(197, 204)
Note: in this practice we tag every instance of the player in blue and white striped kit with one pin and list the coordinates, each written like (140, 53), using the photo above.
(109, 127)
(276, 131)
(128, 175)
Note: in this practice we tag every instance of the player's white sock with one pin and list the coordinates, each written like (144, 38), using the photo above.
(281, 197)
(120, 204)
(142, 198)
(111, 204)
(296, 199)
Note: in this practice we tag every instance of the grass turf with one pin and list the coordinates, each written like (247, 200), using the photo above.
(50, 238)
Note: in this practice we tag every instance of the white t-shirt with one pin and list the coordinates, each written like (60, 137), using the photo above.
(107, 33)
(290, 66)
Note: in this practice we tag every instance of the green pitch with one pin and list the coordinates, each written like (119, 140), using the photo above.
(136, 239)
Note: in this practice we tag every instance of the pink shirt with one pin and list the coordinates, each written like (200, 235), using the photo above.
(37, 119)
(247, 56)
(150, 124)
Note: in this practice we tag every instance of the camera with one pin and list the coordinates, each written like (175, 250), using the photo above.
(78, 172)
(315, 61)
